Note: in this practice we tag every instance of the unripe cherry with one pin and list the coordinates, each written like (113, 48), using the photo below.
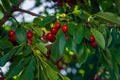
(11, 33)
(92, 38)
(65, 28)
(54, 30)
(57, 25)
(29, 34)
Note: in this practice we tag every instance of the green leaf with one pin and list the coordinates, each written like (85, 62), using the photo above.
(16, 70)
(79, 34)
(58, 47)
(6, 5)
(38, 31)
(71, 27)
(109, 40)
(51, 73)
(41, 46)
(47, 20)
(82, 55)
(66, 78)
(99, 38)
(28, 73)
(110, 17)
(21, 35)
(117, 3)
(37, 21)
(27, 50)
(6, 57)
(14, 2)
(20, 49)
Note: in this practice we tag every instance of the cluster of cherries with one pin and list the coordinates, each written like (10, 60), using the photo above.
(51, 35)
(60, 2)
(92, 41)
(12, 37)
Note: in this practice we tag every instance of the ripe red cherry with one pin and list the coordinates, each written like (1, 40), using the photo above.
(66, 37)
(11, 33)
(65, 28)
(92, 38)
(60, 3)
(29, 34)
(93, 44)
(57, 25)
(54, 0)
(60, 67)
(50, 37)
(29, 41)
(54, 30)
(1, 78)
(12, 38)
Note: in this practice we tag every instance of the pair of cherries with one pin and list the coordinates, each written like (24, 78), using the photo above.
(92, 41)
(12, 36)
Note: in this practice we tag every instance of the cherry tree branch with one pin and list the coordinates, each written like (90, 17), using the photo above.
(28, 12)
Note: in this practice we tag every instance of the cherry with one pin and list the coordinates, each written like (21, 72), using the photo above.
(60, 67)
(11, 33)
(29, 34)
(44, 38)
(74, 56)
(96, 79)
(54, 0)
(29, 41)
(54, 30)
(57, 25)
(50, 37)
(93, 44)
(66, 37)
(60, 3)
(12, 38)
(65, 28)
(58, 61)
(92, 39)
(1, 78)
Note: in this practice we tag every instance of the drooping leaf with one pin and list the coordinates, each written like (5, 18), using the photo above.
(82, 55)
(21, 35)
(41, 46)
(16, 69)
(27, 50)
(109, 17)
(47, 20)
(28, 73)
(6, 5)
(58, 47)
(79, 34)
(6, 57)
(99, 38)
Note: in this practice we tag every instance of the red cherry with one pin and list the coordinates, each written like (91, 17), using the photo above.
(54, 0)
(44, 38)
(29, 34)
(12, 38)
(50, 37)
(92, 39)
(29, 41)
(65, 28)
(58, 61)
(57, 25)
(60, 67)
(1, 78)
(93, 44)
(66, 37)
(11, 33)
(54, 30)
(60, 3)
(74, 56)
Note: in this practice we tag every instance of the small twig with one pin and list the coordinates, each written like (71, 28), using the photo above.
(31, 13)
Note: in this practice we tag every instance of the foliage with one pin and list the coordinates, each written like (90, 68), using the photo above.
(42, 56)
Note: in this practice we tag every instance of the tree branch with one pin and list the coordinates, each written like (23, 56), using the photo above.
(31, 13)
